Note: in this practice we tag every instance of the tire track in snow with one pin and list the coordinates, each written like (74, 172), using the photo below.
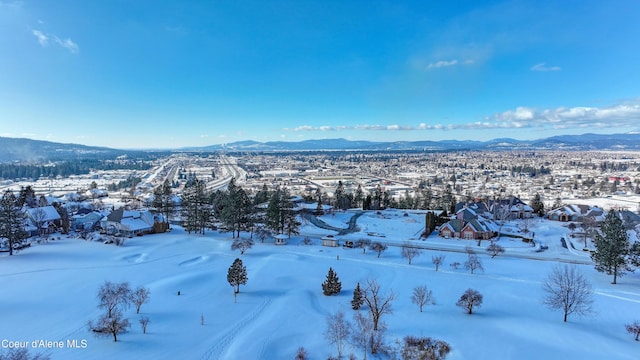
(216, 351)
(617, 296)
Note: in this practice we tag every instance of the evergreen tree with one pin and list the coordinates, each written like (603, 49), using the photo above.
(358, 197)
(332, 284)
(237, 275)
(427, 198)
(261, 196)
(358, 298)
(11, 220)
(272, 216)
(613, 250)
(447, 200)
(280, 216)
(27, 197)
(65, 221)
(197, 210)
(339, 196)
(163, 201)
(235, 212)
(537, 205)
(430, 223)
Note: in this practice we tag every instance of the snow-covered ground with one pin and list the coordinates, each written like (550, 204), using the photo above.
(49, 293)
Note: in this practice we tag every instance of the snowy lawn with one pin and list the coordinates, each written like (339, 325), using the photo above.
(49, 293)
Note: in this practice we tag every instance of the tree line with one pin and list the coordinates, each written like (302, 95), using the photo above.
(66, 168)
(232, 209)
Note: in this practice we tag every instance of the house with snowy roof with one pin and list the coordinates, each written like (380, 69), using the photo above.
(128, 223)
(575, 212)
(471, 221)
(42, 220)
(510, 208)
(86, 219)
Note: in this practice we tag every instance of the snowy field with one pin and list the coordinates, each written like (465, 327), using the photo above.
(49, 293)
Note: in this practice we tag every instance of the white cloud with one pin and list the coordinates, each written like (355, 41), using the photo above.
(616, 116)
(42, 38)
(543, 67)
(67, 44)
(442, 63)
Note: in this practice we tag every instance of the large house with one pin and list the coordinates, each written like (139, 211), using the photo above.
(128, 223)
(510, 209)
(575, 212)
(470, 222)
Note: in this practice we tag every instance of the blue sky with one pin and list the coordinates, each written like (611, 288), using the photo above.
(158, 74)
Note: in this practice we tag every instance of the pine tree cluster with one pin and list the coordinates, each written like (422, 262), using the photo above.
(332, 284)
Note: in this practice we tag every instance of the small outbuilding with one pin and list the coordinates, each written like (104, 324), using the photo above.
(330, 241)
(280, 239)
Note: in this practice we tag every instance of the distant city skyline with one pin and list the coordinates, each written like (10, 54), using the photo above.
(172, 74)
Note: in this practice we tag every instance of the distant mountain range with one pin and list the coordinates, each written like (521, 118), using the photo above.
(32, 151)
(629, 141)
(27, 150)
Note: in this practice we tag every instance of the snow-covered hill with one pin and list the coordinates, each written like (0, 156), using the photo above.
(49, 293)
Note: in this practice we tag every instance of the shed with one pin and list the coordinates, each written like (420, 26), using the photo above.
(329, 240)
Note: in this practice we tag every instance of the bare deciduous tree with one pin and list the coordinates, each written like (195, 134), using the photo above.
(469, 299)
(242, 244)
(378, 247)
(362, 243)
(113, 324)
(362, 332)
(495, 250)
(22, 354)
(634, 329)
(409, 252)
(473, 263)
(378, 303)
(338, 331)
(437, 260)
(140, 296)
(144, 321)
(301, 354)
(421, 296)
(113, 296)
(40, 219)
(569, 290)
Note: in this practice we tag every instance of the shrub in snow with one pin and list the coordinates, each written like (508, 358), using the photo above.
(424, 348)
(22, 354)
